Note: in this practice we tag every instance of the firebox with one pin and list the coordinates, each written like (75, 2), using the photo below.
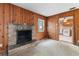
(24, 36)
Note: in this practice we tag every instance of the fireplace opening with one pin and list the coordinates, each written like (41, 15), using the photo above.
(24, 36)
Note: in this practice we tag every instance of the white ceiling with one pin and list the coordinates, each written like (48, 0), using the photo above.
(47, 9)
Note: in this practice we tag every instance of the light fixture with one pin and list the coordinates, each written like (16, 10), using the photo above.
(65, 20)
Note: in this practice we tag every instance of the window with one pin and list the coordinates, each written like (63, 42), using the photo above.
(40, 25)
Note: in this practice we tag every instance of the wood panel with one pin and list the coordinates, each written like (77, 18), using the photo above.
(6, 22)
(11, 14)
(21, 16)
(1, 26)
(30, 18)
(28, 14)
(53, 27)
(76, 26)
(24, 16)
(17, 15)
(6, 14)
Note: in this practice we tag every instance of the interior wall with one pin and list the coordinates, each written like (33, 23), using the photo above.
(52, 27)
(1, 27)
(39, 35)
(53, 24)
(76, 26)
(11, 14)
(52, 30)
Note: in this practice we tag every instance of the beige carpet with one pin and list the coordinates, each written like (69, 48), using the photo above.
(46, 48)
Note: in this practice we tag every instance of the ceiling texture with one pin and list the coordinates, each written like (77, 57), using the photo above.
(48, 9)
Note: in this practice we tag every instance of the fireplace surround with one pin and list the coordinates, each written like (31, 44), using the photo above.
(18, 34)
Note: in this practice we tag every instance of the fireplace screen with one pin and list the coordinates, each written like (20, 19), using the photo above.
(24, 36)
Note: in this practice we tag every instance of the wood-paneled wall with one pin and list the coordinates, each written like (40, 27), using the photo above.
(53, 23)
(53, 27)
(11, 14)
(76, 26)
(39, 35)
(1, 26)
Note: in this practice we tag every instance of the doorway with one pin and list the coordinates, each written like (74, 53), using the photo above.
(66, 29)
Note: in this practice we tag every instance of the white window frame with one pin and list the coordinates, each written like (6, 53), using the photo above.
(40, 25)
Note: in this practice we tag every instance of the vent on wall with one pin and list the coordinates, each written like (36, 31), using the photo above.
(73, 8)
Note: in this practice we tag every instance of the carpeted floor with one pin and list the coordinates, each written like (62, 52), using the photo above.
(46, 48)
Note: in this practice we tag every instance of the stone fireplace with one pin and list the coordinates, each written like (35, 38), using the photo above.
(18, 34)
